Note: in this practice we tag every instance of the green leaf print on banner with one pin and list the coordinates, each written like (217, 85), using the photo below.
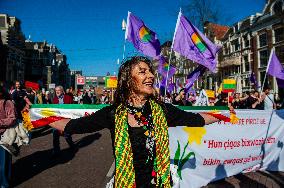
(180, 161)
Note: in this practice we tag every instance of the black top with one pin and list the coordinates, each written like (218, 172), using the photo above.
(104, 118)
(20, 103)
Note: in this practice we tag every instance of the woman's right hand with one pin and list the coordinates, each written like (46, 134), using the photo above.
(60, 125)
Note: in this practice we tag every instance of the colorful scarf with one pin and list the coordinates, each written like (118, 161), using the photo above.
(124, 169)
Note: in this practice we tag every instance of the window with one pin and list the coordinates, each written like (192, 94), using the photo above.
(247, 82)
(246, 41)
(262, 40)
(226, 49)
(246, 63)
(262, 75)
(2, 21)
(235, 45)
(263, 58)
(279, 53)
(279, 34)
(236, 27)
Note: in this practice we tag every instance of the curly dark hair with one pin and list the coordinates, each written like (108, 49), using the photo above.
(125, 83)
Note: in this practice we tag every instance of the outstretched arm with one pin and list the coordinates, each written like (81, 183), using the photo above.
(60, 125)
(208, 118)
(97, 121)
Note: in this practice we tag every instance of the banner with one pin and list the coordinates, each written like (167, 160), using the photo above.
(213, 152)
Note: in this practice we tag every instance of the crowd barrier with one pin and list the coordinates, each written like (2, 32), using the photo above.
(215, 151)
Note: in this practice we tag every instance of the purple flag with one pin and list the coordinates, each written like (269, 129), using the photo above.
(280, 83)
(142, 37)
(165, 69)
(170, 87)
(275, 68)
(253, 79)
(191, 43)
(194, 76)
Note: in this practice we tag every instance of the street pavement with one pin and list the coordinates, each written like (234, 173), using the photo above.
(88, 166)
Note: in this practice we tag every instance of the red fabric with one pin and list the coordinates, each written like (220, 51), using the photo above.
(45, 121)
(219, 116)
(66, 99)
(33, 85)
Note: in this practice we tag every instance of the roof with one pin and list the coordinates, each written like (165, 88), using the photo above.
(217, 30)
(30, 45)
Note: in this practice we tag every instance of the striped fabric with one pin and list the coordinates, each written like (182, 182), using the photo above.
(124, 169)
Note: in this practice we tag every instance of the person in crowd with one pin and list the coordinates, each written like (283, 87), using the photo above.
(43, 96)
(239, 102)
(181, 99)
(223, 100)
(19, 97)
(138, 123)
(244, 100)
(61, 98)
(268, 99)
(86, 98)
(38, 97)
(30, 95)
(69, 92)
(7, 119)
(104, 99)
(80, 97)
(75, 99)
(278, 101)
(48, 97)
(191, 98)
(168, 98)
(254, 101)
(94, 98)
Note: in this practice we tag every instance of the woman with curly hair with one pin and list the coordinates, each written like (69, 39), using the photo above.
(138, 123)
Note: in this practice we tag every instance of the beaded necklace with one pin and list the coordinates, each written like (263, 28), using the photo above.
(144, 120)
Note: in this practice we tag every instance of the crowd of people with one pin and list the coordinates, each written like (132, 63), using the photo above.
(247, 100)
(17, 99)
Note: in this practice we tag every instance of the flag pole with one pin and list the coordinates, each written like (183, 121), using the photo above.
(172, 51)
(158, 79)
(125, 27)
(266, 69)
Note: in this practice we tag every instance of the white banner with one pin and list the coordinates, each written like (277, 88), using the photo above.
(216, 151)
(221, 149)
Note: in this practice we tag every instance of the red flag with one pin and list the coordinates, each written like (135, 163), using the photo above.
(33, 85)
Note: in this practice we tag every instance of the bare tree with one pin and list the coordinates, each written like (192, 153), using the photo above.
(200, 11)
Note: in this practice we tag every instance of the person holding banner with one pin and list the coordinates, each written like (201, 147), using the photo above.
(138, 123)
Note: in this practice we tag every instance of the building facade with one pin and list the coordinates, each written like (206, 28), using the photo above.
(13, 44)
(248, 44)
(45, 64)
